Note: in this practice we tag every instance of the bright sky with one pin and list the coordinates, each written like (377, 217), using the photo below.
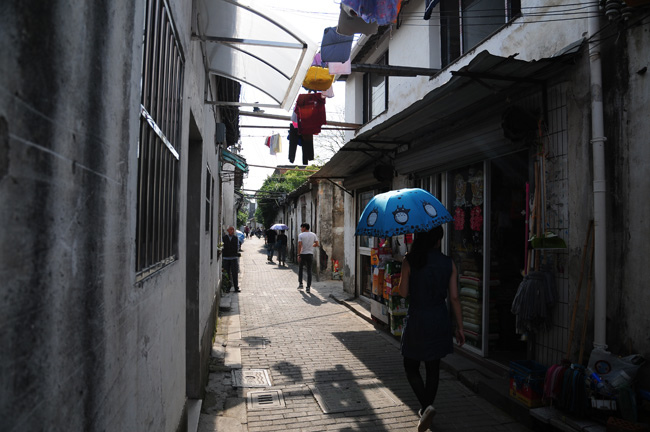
(310, 17)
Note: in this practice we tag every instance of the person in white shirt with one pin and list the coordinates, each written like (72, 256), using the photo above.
(307, 241)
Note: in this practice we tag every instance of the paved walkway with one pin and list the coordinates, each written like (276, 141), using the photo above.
(315, 349)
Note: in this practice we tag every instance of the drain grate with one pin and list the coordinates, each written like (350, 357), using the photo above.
(249, 343)
(352, 395)
(251, 378)
(258, 400)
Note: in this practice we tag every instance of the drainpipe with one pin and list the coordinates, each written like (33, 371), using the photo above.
(600, 184)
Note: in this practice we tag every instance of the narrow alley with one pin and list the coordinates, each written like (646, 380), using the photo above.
(311, 364)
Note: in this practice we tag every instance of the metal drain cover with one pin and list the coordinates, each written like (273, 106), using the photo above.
(258, 400)
(251, 343)
(352, 395)
(251, 378)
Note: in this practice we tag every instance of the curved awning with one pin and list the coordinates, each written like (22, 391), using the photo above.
(252, 46)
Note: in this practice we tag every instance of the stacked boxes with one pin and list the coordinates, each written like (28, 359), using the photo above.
(527, 382)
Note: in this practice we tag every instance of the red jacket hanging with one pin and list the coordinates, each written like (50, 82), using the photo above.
(310, 109)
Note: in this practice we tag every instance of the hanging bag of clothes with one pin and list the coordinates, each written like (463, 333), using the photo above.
(318, 79)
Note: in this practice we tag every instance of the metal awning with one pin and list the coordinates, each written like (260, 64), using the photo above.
(231, 158)
(471, 90)
(250, 45)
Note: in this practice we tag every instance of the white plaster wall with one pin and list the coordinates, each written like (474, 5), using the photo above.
(409, 46)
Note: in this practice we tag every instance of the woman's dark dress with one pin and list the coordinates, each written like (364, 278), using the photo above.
(427, 334)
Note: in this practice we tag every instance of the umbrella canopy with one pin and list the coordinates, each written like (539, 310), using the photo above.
(400, 212)
(279, 227)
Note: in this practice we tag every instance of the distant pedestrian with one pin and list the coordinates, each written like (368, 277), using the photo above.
(247, 231)
(231, 257)
(271, 237)
(427, 276)
(282, 248)
(307, 241)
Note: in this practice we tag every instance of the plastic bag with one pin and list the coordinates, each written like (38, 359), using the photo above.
(617, 371)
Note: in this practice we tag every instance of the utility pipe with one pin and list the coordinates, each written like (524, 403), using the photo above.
(600, 184)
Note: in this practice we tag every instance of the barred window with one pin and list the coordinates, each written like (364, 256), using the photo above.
(158, 157)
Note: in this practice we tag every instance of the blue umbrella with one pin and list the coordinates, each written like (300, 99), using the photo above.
(279, 227)
(400, 212)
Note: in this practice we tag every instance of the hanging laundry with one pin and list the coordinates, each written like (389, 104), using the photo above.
(318, 78)
(428, 7)
(340, 68)
(318, 61)
(329, 93)
(293, 138)
(310, 109)
(276, 144)
(335, 47)
(351, 24)
(271, 145)
(381, 11)
(294, 119)
(307, 142)
(267, 141)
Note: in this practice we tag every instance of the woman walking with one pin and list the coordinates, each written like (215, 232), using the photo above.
(427, 276)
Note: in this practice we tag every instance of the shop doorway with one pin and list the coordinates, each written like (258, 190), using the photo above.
(487, 241)
(508, 241)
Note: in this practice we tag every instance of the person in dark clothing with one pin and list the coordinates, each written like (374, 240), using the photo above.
(427, 276)
(282, 248)
(271, 237)
(230, 257)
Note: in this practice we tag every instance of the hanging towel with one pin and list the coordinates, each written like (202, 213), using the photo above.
(272, 145)
(335, 47)
(277, 143)
(310, 109)
(428, 8)
(351, 24)
(267, 141)
(336, 68)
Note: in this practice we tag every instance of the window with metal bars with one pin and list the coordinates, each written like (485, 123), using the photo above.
(465, 23)
(158, 157)
(375, 92)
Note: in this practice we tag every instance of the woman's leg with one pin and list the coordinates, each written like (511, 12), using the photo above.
(433, 379)
(412, 369)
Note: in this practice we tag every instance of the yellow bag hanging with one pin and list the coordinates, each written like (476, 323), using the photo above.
(318, 78)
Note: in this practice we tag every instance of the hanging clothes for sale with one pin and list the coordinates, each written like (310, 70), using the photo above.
(335, 47)
(351, 24)
(310, 109)
(428, 7)
(381, 11)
